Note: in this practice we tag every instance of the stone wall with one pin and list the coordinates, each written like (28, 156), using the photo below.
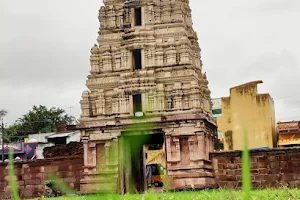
(71, 149)
(269, 168)
(32, 175)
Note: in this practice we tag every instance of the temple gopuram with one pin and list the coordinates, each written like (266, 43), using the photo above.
(146, 119)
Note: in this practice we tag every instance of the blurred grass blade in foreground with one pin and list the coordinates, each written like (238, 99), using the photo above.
(246, 169)
(11, 173)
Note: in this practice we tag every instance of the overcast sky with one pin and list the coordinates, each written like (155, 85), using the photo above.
(45, 48)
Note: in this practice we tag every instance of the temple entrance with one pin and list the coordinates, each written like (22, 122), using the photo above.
(143, 161)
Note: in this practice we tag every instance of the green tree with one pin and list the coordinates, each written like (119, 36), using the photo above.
(39, 119)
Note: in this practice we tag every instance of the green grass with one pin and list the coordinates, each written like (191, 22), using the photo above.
(280, 194)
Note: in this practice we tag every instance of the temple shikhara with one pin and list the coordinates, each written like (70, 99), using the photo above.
(146, 118)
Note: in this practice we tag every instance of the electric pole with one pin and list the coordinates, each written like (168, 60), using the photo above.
(70, 110)
(2, 131)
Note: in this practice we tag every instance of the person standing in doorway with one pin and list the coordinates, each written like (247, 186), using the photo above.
(149, 175)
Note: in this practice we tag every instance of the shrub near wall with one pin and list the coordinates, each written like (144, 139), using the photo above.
(269, 168)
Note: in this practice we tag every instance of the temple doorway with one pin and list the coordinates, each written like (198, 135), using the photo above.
(144, 161)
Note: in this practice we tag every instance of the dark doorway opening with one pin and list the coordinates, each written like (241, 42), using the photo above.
(137, 103)
(137, 59)
(138, 16)
(135, 180)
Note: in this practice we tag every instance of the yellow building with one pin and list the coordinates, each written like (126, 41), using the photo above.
(246, 111)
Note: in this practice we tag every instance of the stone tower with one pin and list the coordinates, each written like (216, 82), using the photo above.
(146, 80)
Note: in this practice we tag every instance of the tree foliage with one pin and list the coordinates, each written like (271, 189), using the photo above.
(39, 120)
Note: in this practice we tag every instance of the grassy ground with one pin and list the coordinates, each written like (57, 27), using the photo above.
(282, 194)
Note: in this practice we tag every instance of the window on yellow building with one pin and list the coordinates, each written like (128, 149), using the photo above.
(217, 111)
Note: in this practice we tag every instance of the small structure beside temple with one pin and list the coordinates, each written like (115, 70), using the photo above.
(288, 134)
(247, 112)
(146, 92)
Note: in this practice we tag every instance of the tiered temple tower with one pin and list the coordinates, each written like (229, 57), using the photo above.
(146, 79)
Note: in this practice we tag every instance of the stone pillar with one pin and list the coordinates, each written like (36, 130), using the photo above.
(201, 145)
(85, 152)
(94, 59)
(127, 104)
(177, 147)
(107, 59)
(186, 100)
(211, 143)
(143, 58)
(152, 56)
(157, 14)
(108, 105)
(159, 54)
(117, 58)
(166, 16)
(150, 100)
(85, 105)
(184, 53)
(130, 105)
(115, 102)
(207, 145)
(160, 97)
(168, 148)
(119, 16)
(124, 59)
(144, 15)
(178, 96)
(93, 158)
(115, 153)
(100, 103)
(171, 55)
(172, 146)
(191, 147)
(177, 14)
(132, 20)
(194, 95)
(107, 152)
(102, 17)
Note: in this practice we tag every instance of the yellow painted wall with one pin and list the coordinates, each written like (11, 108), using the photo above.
(249, 112)
(290, 138)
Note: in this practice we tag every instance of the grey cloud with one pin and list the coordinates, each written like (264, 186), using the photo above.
(278, 5)
(272, 64)
(44, 50)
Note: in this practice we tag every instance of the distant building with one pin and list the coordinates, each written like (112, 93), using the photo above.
(63, 135)
(217, 107)
(288, 133)
(217, 112)
(21, 150)
(40, 139)
(246, 111)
